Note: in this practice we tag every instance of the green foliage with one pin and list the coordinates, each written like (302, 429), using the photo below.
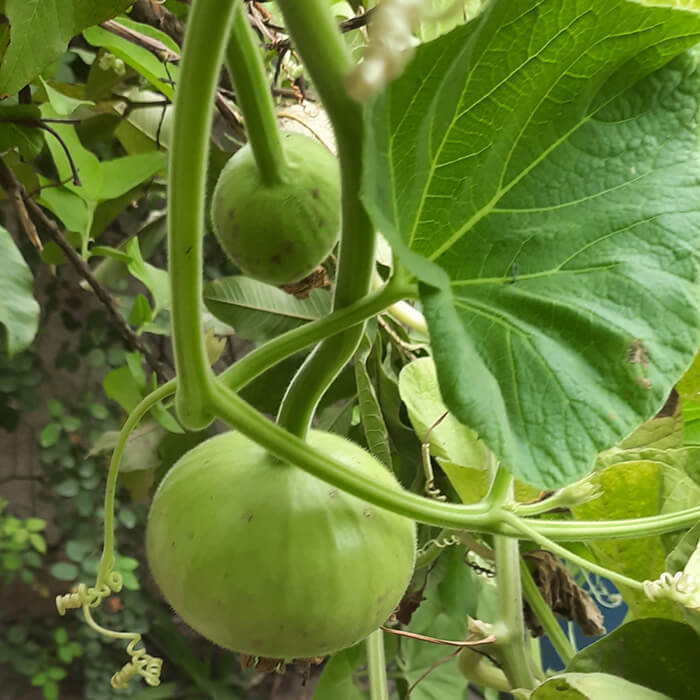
(465, 178)
(19, 311)
(33, 39)
(535, 172)
(22, 546)
(655, 653)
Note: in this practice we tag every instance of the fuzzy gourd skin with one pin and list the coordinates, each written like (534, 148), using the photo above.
(265, 559)
(279, 233)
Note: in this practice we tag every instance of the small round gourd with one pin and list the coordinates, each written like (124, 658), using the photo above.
(280, 232)
(262, 558)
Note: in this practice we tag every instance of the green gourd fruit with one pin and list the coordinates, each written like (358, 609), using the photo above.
(279, 233)
(264, 559)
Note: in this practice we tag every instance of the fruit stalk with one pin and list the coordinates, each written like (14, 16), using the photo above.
(207, 31)
(327, 60)
(245, 66)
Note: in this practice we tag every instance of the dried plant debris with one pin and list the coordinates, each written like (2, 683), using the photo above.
(563, 595)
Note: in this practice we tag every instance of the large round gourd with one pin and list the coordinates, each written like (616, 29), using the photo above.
(279, 233)
(262, 558)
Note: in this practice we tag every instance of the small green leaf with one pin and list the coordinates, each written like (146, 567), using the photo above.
(77, 550)
(127, 518)
(19, 311)
(55, 673)
(140, 312)
(99, 411)
(17, 634)
(65, 571)
(63, 104)
(35, 524)
(120, 386)
(156, 280)
(55, 408)
(50, 690)
(50, 434)
(11, 561)
(84, 503)
(68, 488)
(38, 542)
(71, 423)
(61, 636)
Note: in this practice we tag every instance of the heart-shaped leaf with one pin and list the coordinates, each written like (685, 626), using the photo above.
(543, 183)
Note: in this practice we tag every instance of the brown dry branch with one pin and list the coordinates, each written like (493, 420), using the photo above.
(161, 51)
(14, 188)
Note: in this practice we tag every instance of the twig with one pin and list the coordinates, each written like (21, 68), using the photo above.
(40, 123)
(447, 642)
(163, 52)
(11, 184)
(14, 194)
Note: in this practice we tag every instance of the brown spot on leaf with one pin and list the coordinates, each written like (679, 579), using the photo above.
(314, 192)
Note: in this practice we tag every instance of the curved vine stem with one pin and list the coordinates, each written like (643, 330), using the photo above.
(510, 631)
(376, 664)
(207, 32)
(325, 56)
(155, 397)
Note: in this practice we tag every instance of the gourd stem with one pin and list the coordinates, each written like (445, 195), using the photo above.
(325, 56)
(207, 31)
(245, 66)
(544, 614)
(376, 665)
(501, 487)
(511, 636)
(146, 404)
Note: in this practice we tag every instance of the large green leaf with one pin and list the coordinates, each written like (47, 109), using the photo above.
(19, 311)
(39, 32)
(543, 183)
(655, 653)
(637, 484)
(592, 686)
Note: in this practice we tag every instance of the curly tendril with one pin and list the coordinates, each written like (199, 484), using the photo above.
(90, 597)
(439, 543)
(142, 664)
(680, 587)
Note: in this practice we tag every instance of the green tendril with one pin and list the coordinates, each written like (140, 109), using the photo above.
(141, 664)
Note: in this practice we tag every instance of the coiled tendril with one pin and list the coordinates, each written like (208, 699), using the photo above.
(89, 596)
(681, 587)
(142, 664)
